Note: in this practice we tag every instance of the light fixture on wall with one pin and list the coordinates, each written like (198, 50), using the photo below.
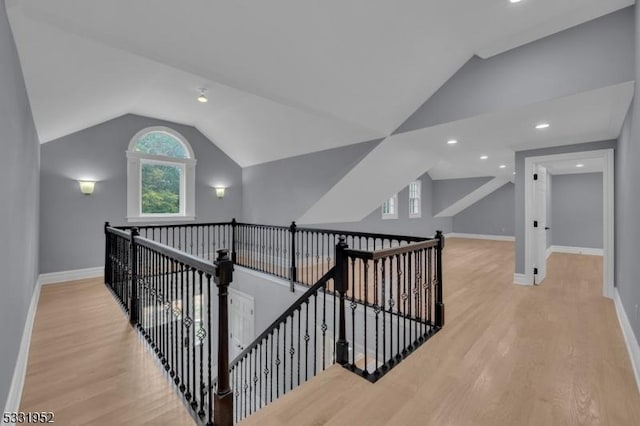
(203, 97)
(219, 191)
(86, 186)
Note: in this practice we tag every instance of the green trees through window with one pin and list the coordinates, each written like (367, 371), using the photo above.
(161, 179)
(160, 188)
(161, 143)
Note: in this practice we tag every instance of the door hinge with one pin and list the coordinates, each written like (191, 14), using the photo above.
(535, 176)
(535, 223)
(535, 271)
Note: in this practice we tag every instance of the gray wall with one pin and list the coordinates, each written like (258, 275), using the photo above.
(278, 192)
(448, 191)
(519, 186)
(576, 210)
(19, 207)
(424, 226)
(492, 215)
(595, 54)
(627, 198)
(74, 221)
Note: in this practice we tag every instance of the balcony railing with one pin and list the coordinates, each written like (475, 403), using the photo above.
(372, 300)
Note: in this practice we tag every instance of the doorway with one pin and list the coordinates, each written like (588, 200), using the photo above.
(536, 213)
(241, 322)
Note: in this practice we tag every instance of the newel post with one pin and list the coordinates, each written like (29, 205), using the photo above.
(439, 299)
(293, 272)
(223, 404)
(341, 280)
(133, 302)
(234, 237)
(107, 254)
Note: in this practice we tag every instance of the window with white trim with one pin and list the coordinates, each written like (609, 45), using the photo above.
(390, 208)
(415, 204)
(160, 176)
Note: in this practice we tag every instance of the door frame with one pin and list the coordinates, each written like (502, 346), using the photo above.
(608, 236)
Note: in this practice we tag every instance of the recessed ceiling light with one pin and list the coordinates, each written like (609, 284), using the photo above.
(515, 1)
(452, 141)
(543, 126)
(502, 166)
(484, 157)
(202, 98)
(579, 165)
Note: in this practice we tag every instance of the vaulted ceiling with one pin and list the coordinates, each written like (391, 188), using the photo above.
(284, 77)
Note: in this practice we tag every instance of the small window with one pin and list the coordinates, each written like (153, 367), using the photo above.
(415, 191)
(390, 208)
(160, 176)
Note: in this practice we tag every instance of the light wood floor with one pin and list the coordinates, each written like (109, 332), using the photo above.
(508, 355)
(89, 367)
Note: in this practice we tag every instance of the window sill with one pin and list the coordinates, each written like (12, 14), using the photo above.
(152, 219)
(389, 217)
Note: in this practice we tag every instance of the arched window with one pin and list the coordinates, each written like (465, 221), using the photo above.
(160, 176)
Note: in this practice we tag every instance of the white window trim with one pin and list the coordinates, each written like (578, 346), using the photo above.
(135, 160)
(419, 214)
(393, 215)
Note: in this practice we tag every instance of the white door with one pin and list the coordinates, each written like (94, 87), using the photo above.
(241, 322)
(540, 224)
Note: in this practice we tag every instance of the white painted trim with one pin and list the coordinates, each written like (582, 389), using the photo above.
(158, 219)
(76, 274)
(629, 337)
(522, 279)
(17, 382)
(481, 236)
(549, 251)
(530, 164)
(394, 214)
(575, 250)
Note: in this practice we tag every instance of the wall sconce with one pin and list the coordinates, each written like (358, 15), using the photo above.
(86, 186)
(219, 191)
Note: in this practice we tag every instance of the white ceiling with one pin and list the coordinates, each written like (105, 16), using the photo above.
(585, 117)
(285, 77)
(569, 167)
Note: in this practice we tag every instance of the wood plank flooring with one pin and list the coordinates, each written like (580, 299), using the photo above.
(89, 367)
(508, 355)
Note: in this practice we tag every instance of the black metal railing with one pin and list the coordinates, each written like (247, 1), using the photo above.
(295, 348)
(300, 255)
(202, 240)
(375, 299)
(170, 298)
(117, 265)
(394, 301)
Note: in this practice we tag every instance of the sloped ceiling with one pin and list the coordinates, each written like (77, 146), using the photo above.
(284, 77)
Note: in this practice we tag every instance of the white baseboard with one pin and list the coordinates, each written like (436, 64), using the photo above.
(521, 279)
(17, 383)
(549, 251)
(629, 337)
(76, 274)
(577, 250)
(481, 236)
